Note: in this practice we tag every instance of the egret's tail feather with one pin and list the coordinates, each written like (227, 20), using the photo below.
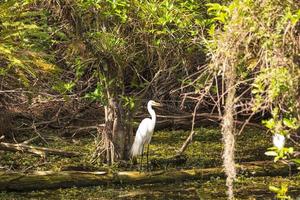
(136, 149)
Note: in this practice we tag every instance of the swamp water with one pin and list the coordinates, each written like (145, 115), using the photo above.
(205, 151)
(245, 188)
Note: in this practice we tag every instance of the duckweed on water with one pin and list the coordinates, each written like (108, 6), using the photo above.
(205, 151)
(245, 188)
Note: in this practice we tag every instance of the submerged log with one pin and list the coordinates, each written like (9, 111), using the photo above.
(15, 181)
(41, 151)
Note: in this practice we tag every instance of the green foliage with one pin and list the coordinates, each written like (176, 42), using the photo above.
(284, 127)
(118, 8)
(128, 102)
(24, 34)
(296, 161)
(79, 67)
(253, 37)
(220, 13)
(168, 18)
(281, 192)
(257, 39)
(97, 94)
(111, 43)
(128, 42)
(64, 87)
(278, 154)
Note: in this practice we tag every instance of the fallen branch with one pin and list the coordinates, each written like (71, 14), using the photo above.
(186, 143)
(49, 180)
(41, 151)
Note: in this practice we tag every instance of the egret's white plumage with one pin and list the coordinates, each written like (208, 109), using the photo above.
(144, 131)
(278, 140)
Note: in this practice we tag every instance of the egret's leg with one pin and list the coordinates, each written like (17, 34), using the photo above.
(147, 157)
(141, 165)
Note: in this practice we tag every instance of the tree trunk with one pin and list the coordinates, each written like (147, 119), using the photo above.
(113, 139)
(228, 129)
(118, 128)
(5, 119)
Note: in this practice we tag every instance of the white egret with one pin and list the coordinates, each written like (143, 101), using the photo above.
(278, 140)
(144, 133)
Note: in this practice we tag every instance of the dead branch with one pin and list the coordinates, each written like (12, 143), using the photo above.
(41, 151)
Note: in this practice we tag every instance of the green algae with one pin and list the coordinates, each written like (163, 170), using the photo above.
(245, 188)
(206, 148)
(205, 151)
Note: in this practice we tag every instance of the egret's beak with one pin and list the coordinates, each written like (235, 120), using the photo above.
(157, 104)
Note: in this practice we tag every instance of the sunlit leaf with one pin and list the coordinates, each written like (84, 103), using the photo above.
(274, 189)
(271, 153)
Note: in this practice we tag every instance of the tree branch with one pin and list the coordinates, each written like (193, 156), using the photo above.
(41, 151)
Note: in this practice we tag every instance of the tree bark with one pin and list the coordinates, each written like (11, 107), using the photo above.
(228, 128)
(5, 122)
(119, 130)
(113, 138)
(50, 180)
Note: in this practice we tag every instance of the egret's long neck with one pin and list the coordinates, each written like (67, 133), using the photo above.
(152, 113)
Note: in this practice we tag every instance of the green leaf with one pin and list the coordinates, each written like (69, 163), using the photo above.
(271, 153)
(290, 150)
(297, 161)
(273, 148)
(291, 123)
(69, 86)
(270, 124)
(288, 122)
(274, 189)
